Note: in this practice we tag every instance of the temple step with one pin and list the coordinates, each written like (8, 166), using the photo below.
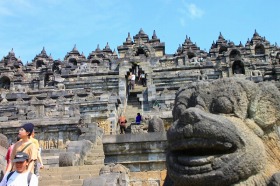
(72, 176)
(50, 157)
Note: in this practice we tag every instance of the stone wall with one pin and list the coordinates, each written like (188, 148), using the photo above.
(3, 151)
(147, 178)
(51, 133)
(138, 152)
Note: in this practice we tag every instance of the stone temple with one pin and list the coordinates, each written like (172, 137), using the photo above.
(75, 103)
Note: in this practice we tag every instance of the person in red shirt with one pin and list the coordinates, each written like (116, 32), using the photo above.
(9, 153)
(122, 122)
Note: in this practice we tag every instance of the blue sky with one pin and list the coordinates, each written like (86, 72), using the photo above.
(29, 25)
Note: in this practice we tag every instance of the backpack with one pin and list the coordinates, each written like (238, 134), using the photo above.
(28, 177)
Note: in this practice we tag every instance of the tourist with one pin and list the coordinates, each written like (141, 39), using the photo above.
(38, 164)
(9, 153)
(24, 145)
(138, 119)
(122, 122)
(143, 79)
(132, 82)
(21, 176)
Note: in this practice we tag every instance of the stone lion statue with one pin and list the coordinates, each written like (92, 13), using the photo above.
(225, 132)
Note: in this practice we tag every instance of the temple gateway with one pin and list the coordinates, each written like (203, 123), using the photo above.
(80, 98)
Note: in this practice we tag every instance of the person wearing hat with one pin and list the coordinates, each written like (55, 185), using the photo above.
(24, 145)
(21, 176)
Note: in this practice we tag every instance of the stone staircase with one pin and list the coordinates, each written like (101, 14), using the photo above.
(50, 157)
(74, 175)
(96, 155)
(53, 175)
(133, 106)
(70, 176)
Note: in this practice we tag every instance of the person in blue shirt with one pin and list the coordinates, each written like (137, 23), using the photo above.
(138, 119)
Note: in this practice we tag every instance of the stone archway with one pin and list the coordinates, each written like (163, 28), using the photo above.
(39, 63)
(73, 61)
(238, 67)
(234, 54)
(124, 72)
(5, 82)
(222, 49)
(142, 51)
(259, 49)
(191, 55)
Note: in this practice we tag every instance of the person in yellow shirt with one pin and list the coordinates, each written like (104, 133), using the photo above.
(39, 162)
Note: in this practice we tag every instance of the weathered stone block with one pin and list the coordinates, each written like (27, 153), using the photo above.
(67, 159)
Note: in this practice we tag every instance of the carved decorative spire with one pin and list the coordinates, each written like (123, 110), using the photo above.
(43, 51)
(221, 36)
(74, 48)
(188, 40)
(141, 31)
(179, 50)
(240, 44)
(128, 39)
(256, 34)
(114, 52)
(12, 52)
(107, 46)
(97, 48)
(154, 35)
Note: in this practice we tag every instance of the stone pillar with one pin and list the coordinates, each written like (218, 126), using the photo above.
(122, 89)
(123, 84)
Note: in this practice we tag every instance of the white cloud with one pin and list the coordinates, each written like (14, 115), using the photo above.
(189, 11)
(194, 11)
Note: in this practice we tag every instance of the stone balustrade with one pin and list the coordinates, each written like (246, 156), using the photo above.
(138, 152)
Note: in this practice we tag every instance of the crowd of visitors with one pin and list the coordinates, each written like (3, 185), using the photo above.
(23, 159)
(132, 78)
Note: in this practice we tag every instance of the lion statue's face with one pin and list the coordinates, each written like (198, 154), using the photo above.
(222, 132)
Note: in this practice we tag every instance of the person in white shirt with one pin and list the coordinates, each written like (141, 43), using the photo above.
(20, 177)
(143, 79)
(132, 80)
